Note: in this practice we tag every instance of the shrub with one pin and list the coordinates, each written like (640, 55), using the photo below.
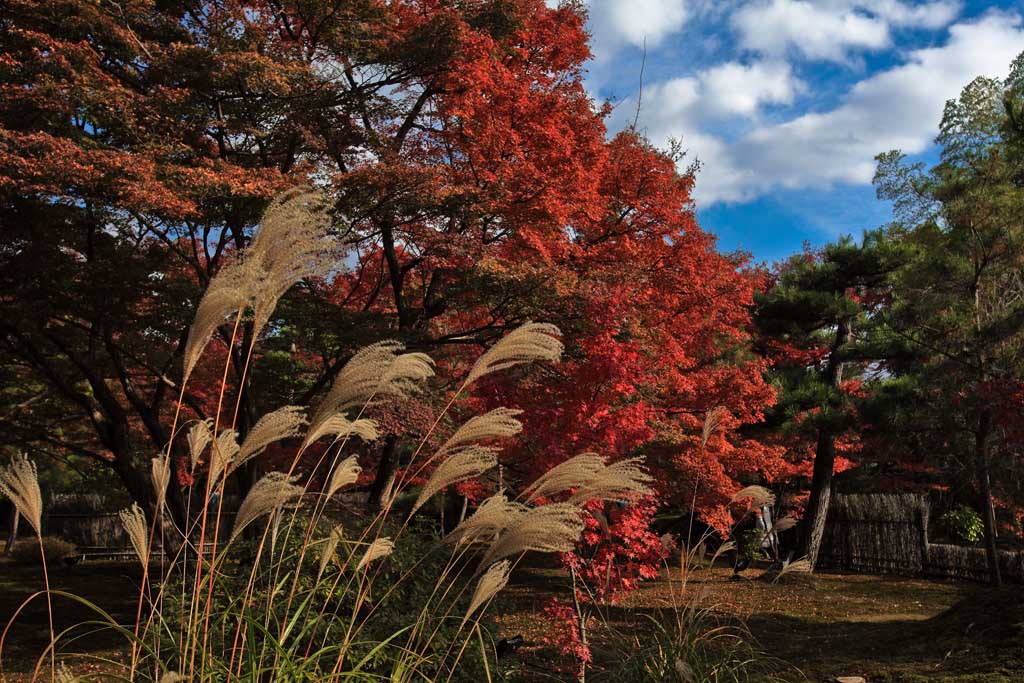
(963, 524)
(26, 550)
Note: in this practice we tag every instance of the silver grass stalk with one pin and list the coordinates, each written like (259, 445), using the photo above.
(492, 516)
(526, 343)
(345, 474)
(622, 480)
(283, 423)
(495, 424)
(199, 437)
(228, 293)
(19, 481)
(758, 496)
(381, 547)
(492, 581)
(553, 528)
(574, 472)
(375, 373)
(330, 548)
(462, 466)
(268, 494)
(339, 427)
(160, 471)
(222, 454)
(134, 522)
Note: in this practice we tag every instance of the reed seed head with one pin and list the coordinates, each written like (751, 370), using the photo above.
(495, 424)
(553, 528)
(381, 547)
(19, 481)
(226, 295)
(573, 473)
(345, 474)
(492, 516)
(199, 437)
(466, 464)
(622, 480)
(492, 581)
(222, 453)
(330, 549)
(340, 427)
(283, 423)
(134, 522)
(375, 373)
(273, 491)
(758, 496)
(160, 468)
(526, 343)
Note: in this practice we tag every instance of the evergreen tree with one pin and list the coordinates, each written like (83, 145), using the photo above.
(812, 319)
(959, 302)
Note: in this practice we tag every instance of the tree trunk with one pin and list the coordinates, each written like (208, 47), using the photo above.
(988, 513)
(385, 473)
(816, 514)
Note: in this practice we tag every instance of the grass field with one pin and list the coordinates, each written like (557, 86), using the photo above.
(889, 629)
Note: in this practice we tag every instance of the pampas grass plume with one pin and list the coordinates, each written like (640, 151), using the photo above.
(19, 481)
(227, 294)
(160, 469)
(494, 424)
(758, 496)
(279, 425)
(373, 373)
(553, 528)
(330, 548)
(623, 480)
(461, 466)
(345, 474)
(340, 427)
(492, 581)
(199, 437)
(222, 453)
(267, 495)
(134, 522)
(526, 343)
(494, 515)
(574, 472)
(381, 547)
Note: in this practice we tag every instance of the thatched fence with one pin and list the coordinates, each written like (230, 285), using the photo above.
(888, 533)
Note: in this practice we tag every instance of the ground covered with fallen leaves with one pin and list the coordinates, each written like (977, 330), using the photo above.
(813, 628)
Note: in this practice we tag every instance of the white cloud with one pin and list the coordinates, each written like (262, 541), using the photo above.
(734, 88)
(898, 108)
(632, 22)
(727, 90)
(830, 29)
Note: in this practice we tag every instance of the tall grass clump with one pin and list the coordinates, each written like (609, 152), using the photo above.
(300, 585)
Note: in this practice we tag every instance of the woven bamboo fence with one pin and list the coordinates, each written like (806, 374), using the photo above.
(876, 533)
(882, 533)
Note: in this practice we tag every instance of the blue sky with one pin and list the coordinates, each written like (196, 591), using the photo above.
(786, 102)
